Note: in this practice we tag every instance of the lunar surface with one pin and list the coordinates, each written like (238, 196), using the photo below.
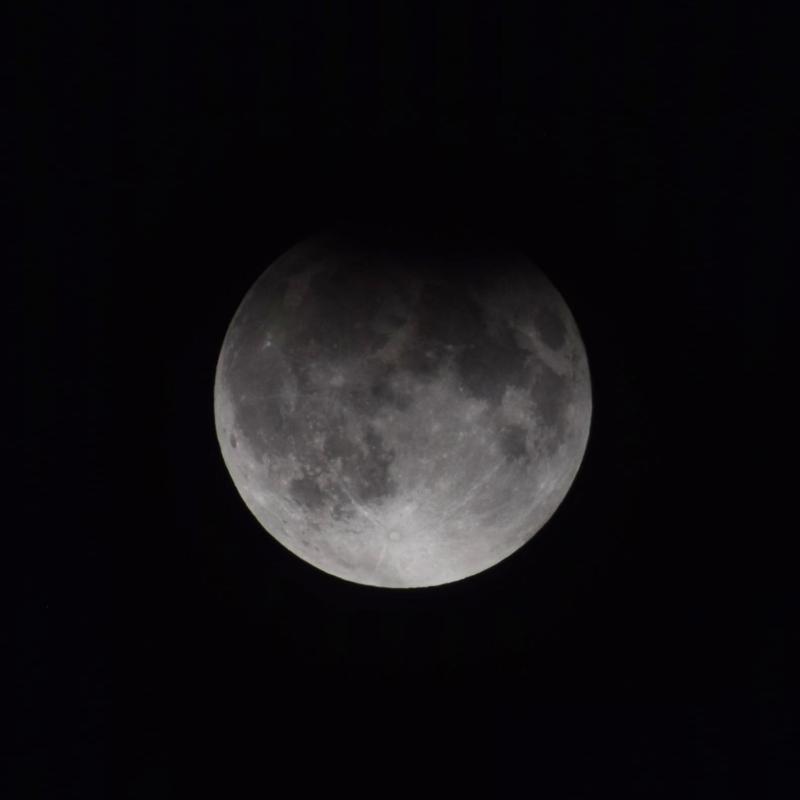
(402, 416)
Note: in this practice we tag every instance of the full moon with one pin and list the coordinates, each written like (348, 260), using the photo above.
(402, 415)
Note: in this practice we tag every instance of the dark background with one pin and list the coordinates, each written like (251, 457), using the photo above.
(637, 646)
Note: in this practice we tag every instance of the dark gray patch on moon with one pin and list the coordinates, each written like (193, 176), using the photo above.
(487, 369)
(549, 393)
(513, 442)
(364, 464)
(307, 492)
(393, 423)
(383, 395)
(551, 327)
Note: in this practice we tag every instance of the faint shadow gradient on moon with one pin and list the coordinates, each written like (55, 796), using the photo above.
(400, 415)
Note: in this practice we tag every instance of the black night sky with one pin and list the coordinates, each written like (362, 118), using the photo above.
(637, 645)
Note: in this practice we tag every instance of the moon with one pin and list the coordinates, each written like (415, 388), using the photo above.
(402, 415)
